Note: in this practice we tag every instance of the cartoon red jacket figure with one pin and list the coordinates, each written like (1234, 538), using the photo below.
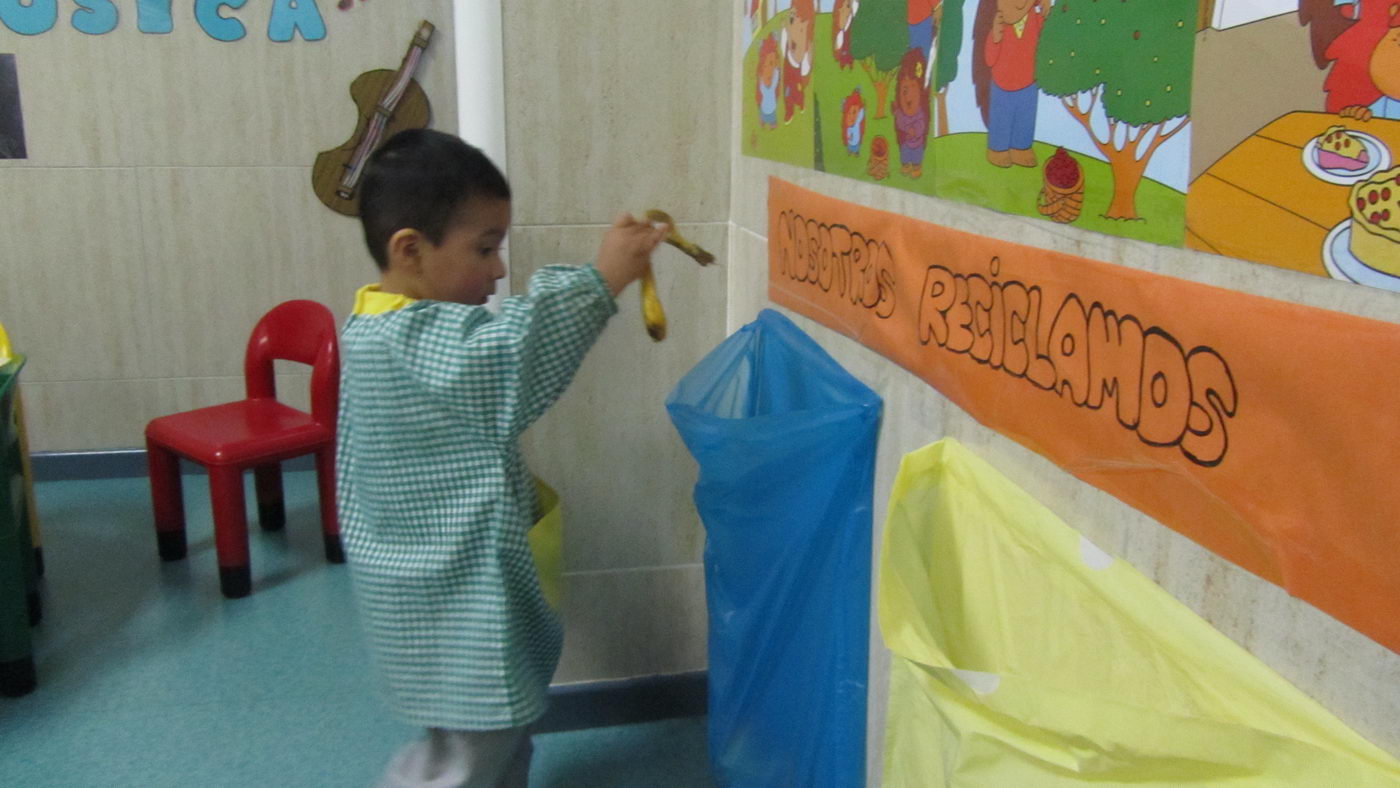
(1010, 96)
(842, 15)
(797, 63)
(923, 17)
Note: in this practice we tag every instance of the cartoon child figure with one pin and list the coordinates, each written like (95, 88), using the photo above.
(798, 33)
(842, 15)
(853, 122)
(767, 81)
(1360, 40)
(911, 113)
(1009, 53)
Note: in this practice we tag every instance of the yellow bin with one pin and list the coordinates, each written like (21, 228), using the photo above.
(547, 544)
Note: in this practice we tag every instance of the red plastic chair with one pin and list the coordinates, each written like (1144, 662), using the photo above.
(258, 433)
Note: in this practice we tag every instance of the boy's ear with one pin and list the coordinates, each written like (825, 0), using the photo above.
(405, 250)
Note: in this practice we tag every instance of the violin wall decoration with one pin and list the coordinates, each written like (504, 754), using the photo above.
(388, 102)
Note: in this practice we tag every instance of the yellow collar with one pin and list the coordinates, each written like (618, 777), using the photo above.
(1020, 27)
(369, 300)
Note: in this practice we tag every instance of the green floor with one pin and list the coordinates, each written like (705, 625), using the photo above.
(148, 677)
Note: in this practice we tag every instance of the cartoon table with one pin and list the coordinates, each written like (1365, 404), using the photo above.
(1260, 202)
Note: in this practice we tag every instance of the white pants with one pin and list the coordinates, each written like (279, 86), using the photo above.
(463, 759)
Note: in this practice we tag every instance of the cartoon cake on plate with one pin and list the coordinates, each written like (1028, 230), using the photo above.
(1375, 221)
(1339, 149)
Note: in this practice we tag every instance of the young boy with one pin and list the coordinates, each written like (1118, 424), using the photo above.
(435, 499)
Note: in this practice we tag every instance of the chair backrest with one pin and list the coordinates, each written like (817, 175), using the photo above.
(301, 331)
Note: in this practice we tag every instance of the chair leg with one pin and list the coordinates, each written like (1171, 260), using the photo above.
(230, 530)
(272, 510)
(35, 604)
(330, 523)
(164, 470)
(30, 507)
(17, 673)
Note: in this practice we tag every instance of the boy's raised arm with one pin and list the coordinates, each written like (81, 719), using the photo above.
(626, 250)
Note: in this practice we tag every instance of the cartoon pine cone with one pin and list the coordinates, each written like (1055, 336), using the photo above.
(1062, 196)
(879, 167)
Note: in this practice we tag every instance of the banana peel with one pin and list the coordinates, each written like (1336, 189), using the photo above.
(653, 315)
(679, 241)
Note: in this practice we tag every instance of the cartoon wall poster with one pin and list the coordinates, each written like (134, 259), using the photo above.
(11, 117)
(1068, 111)
(793, 76)
(872, 78)
(1077, 111)
(1313, 187)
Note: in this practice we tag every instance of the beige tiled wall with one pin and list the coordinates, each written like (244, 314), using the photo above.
(166, 204)
(617, 105)
(623, 105)
(633, 622)
(1351, 675)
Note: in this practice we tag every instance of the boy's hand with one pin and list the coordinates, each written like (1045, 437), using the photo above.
(626, 250)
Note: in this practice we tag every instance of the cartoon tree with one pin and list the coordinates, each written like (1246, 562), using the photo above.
(945, 61)
(879, 38)
(1133, 58)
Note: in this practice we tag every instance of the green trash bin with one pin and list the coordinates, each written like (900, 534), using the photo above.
(19, 597)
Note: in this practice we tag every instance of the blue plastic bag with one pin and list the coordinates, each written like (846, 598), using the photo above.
(785, 439)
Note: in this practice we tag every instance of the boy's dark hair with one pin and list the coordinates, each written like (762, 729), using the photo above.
(419, 179)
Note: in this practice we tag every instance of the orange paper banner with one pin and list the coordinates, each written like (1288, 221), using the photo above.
(1265, 431)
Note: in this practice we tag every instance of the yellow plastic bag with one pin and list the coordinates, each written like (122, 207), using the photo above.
(547, 544)
(1025, 656)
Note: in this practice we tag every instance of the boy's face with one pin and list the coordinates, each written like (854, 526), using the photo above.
(464, 268)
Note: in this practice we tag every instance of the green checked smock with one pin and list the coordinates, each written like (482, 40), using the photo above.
(435, 499)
